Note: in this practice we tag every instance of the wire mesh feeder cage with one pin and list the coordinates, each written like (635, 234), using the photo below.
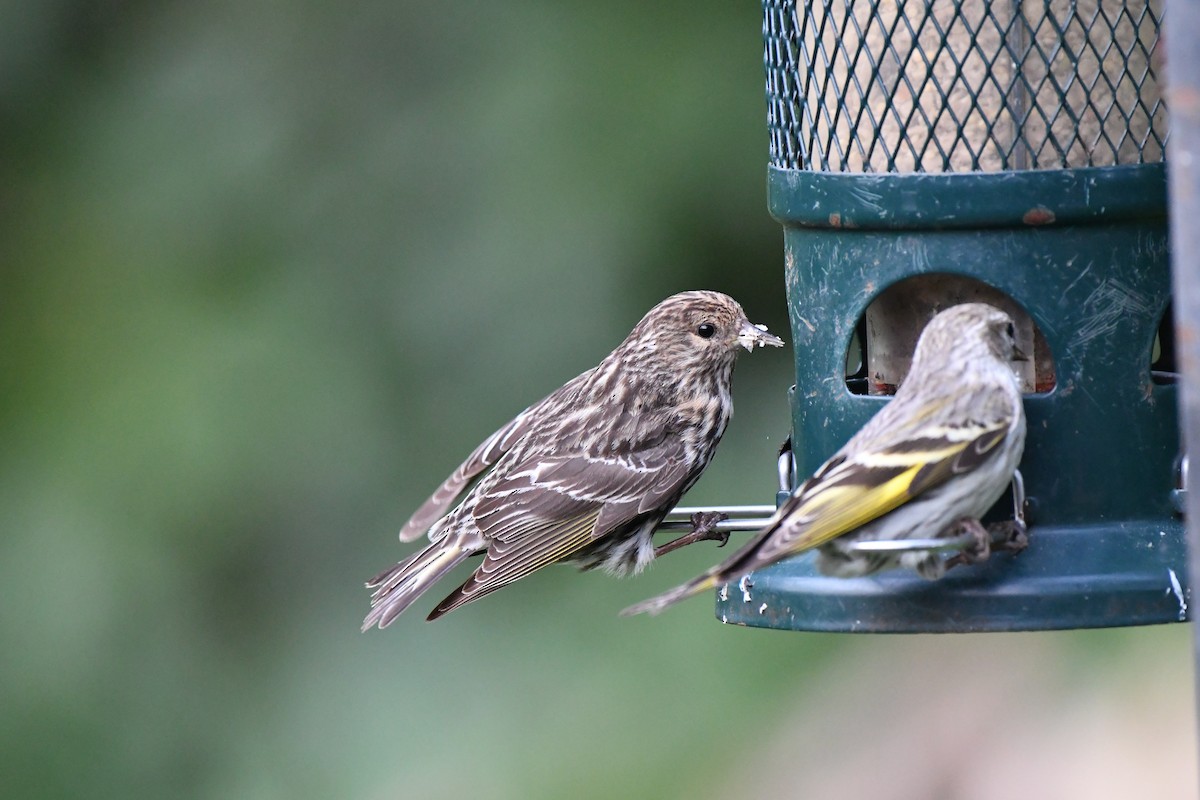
(951, 86)
(925, 154)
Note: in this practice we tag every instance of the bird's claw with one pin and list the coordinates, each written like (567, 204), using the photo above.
(980, 548)
(1009, 536)
(704, 528)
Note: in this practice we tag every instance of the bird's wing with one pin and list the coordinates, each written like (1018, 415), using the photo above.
(483, 457)
(848, 492)
(545, 510)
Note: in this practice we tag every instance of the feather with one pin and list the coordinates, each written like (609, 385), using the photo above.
(514, 558)
(484, 456)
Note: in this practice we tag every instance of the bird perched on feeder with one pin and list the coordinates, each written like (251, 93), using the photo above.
(586, 474)
(928, 465)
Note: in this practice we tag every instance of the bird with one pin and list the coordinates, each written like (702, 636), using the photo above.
(586, 474)
(934, 459)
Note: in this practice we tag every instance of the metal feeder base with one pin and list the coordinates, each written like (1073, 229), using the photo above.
(1065, 579)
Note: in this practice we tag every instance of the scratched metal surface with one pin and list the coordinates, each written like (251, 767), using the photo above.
(1102, 444)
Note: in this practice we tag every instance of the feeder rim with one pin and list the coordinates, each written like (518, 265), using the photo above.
(974, 200)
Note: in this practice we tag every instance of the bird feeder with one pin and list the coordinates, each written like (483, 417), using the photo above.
(925, 154)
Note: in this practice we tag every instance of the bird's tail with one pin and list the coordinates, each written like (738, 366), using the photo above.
(398, 587)
(656, 605)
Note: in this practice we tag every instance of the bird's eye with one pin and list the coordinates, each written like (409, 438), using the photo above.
(1012, 333)
(706, 330)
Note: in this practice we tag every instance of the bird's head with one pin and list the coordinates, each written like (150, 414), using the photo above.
(698, 326)
(970, 330)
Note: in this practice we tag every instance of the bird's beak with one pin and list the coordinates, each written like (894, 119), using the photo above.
(750, 335)
(1018, 354)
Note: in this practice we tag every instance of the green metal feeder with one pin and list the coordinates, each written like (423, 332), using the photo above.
(928, 153)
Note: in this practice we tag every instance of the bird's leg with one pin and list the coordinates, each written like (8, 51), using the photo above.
(704, 528)
(978, 550)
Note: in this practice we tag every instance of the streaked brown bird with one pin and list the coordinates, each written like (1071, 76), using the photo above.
(586, 474)
(929, 464)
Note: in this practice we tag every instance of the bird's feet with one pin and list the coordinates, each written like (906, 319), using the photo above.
(1009, 536)
(704, 528)
(980, 547)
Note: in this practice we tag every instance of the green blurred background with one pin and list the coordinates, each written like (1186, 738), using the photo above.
(269, 270)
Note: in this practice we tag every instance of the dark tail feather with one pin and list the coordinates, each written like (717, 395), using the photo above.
(470, 590)
(398, 588)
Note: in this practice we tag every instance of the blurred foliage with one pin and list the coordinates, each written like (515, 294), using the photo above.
(267, 272)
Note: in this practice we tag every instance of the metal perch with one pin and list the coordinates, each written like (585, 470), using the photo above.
(755, 518)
